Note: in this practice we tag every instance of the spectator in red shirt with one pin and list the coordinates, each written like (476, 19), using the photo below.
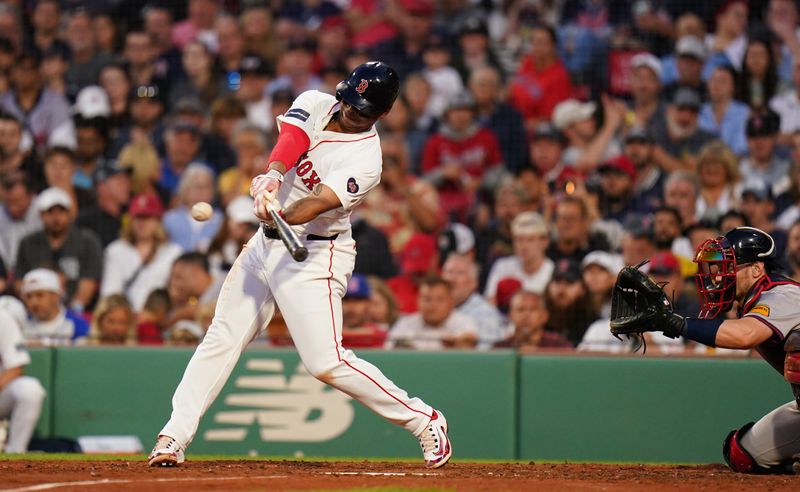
(542, 81)
(460, 156)
(419, 261)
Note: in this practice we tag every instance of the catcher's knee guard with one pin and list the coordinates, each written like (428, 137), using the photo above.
(736, 457)
(740, 460)
(791, 364)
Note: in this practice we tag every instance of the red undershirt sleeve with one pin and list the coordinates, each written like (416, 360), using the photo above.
(292, 143)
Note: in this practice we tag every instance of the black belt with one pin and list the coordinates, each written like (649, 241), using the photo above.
(272, 233)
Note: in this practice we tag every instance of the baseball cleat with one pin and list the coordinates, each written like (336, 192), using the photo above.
(166, 452)
(435, 444)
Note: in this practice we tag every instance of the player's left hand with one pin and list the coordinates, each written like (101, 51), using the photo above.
(261, 205)
(263, 189)
(638, 305)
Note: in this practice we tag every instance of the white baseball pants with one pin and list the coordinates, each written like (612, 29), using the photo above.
(309, 295)
(21, 401)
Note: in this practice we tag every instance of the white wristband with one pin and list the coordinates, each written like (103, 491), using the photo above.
(275, 174)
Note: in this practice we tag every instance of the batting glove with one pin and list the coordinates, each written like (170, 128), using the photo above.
(263, 189)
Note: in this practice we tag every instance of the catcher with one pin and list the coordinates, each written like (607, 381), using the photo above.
(738, 267)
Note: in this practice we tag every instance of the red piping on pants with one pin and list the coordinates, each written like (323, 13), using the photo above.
(336, 342)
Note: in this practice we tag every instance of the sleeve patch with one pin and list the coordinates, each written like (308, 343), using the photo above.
(298, 113)
(760, 309)
(352, 186)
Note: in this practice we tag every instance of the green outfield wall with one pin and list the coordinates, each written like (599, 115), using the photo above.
(500, 405)
(42, 368)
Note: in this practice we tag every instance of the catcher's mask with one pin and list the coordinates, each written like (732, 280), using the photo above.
(716, 276)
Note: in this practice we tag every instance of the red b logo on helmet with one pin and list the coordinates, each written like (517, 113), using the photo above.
(362, 86)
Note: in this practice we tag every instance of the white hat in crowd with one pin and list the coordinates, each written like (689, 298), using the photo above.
(92, 102)
(240, 210)
(610, 262)
(52, 197)
(41, 279)
(463, 236)
(15, 308)
(529, 224)
(572, 111)
(691, 46)
(647, 60)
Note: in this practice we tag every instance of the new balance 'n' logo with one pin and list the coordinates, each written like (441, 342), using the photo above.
(298, 408)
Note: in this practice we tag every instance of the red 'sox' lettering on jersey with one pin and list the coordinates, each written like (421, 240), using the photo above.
(312, 179)
(362, 86)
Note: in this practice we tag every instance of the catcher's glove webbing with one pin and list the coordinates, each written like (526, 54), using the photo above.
(638, 304)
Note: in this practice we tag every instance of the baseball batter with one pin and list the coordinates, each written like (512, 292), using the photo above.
(327, 158)
(738, 267)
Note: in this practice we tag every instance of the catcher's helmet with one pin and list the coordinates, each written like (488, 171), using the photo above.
(716, 265)
(371, 88)
(750, 245)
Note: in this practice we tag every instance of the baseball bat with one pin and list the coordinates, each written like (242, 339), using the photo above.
(288, 236)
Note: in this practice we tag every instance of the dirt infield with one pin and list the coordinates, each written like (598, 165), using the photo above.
(23, 476)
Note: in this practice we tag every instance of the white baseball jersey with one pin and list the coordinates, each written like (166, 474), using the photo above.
(12, 345)
(349, 164)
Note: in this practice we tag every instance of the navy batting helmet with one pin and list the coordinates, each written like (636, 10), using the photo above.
(371, 88)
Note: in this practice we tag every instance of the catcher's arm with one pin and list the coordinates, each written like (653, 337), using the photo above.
(639, 305)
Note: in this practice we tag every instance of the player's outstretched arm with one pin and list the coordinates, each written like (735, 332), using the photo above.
(321, 200)
(744, 333)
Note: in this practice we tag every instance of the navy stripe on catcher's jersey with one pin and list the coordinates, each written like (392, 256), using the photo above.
(298, 113)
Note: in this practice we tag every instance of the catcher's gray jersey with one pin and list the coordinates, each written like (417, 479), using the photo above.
(778, 308)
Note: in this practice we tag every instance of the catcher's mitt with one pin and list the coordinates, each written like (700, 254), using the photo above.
(639, 304)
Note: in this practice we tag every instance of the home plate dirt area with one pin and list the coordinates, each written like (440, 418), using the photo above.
(254, 475)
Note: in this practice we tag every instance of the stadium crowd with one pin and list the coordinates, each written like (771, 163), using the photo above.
(537, 147)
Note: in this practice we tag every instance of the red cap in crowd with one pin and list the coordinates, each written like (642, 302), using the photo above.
(146, 206)
(419, 254)
(620, 164)
(334, 21)
(418, 7)
(506, 288)
(664, 263)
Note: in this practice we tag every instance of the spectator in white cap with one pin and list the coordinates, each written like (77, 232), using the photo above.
(240, 225)
(690, 53)
(600, 269)
(92, 102)
(529, 265)
(461, 271)
(646, 104)
(50, 323)
(21, 396)
(74, 251)
(588, 145)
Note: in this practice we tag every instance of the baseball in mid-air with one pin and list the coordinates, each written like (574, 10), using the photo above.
(202, 211)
